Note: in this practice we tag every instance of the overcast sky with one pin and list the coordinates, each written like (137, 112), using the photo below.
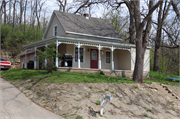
(97, 11)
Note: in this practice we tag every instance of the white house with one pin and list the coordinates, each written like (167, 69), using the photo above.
(93, 43)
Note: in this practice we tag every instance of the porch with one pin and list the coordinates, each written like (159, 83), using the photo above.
(90, 56)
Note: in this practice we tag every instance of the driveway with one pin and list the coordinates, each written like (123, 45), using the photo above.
(15, 105)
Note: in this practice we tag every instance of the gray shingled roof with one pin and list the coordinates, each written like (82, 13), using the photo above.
(92, 26)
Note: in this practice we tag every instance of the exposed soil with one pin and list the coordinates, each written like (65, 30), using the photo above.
(129, 100)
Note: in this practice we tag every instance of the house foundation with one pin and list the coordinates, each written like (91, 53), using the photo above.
(107, 72)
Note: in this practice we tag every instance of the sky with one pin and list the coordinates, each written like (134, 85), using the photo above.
(52, 5)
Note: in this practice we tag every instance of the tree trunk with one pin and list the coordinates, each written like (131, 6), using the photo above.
(132, 27)
(132, 31)
(138, 69)
(4, 5)
(161, 20)
(9, 18)
(25, 6)
(142, 38)
(21, 11)
(14, 7)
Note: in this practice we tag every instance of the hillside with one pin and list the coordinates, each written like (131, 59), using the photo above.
(78, 100)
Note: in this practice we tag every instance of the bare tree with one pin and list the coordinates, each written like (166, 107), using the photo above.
(130, 6)
(62, 5)
(142, 36)
(162, 14)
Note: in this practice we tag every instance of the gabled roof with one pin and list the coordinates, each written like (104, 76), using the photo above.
(91, 26)
(77, 25)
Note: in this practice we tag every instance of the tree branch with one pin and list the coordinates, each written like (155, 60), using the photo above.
(150, 12)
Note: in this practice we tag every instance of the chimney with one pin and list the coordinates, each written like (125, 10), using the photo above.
(86, 16)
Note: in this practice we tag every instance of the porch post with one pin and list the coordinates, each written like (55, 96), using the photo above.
(46, 56)
(56, 53)
(112, 61)
(25, 63)
(35, 58)
(99, 48)
(79, 65)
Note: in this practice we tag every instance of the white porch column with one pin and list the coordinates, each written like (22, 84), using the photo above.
(35, 58)
(46, 57)
(112, 60)
(25, 63)
(79, 65)
(99, 48)
(56, 53)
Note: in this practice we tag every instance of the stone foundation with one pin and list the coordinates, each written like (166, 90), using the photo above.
(118, 73)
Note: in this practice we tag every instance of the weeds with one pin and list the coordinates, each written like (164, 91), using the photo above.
(146, 115)
(98, 102)
(149, 110)
(79, 117)
(171, 102)
(112, 92)
(87, 96)
(136, 87)
(106, 89)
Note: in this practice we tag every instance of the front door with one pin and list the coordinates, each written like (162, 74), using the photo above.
(94, 58)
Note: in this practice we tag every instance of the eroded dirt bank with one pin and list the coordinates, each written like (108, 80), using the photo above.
(129, 100)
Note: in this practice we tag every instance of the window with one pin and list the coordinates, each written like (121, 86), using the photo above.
(94, 55)
(81, 54)
(55, 30)
(108, 57)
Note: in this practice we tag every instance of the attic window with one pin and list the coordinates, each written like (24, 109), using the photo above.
(55, 30)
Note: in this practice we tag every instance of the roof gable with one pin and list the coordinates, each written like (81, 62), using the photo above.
(91, 26)
(71, 23)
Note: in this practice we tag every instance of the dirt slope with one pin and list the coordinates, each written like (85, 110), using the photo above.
(130, 101)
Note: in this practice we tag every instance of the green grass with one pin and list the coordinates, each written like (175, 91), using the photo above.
(112, 92)
(60, 77)
(161, 78)
(87, 96)
(171, 102)
(146, 115)
(73, 77)
(149, 110)
(79, 117)
(135, 87)
(98, 102)
(106, 89)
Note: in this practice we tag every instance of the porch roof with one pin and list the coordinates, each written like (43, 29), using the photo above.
(76, 40)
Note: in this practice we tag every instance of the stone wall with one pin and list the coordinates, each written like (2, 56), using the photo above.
(15, 62)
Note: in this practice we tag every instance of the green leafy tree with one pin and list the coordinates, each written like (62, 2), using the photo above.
(48, 53)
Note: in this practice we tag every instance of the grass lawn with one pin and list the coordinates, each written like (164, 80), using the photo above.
(62, 77)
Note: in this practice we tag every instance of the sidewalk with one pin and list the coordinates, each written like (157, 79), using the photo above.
(15, 105)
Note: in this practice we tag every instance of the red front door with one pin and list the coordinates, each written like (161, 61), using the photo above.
(94, 58)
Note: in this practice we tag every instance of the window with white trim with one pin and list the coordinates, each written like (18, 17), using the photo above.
(81, 54)
(108, 57)
(55, 30)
